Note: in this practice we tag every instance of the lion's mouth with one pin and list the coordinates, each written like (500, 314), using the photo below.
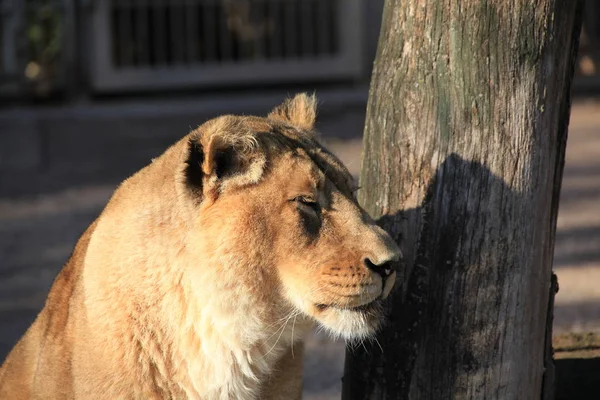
(363, 308)
(351, 321)
(388, 284)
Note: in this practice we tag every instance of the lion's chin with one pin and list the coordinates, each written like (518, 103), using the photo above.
(350, 323)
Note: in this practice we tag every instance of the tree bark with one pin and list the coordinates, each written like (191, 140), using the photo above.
(463, 156)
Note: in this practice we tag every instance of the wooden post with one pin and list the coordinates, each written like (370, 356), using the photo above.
(463, 157)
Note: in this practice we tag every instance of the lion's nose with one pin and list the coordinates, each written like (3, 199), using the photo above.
(384, 270)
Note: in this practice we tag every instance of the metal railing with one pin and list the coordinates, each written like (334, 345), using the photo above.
(137, 45)
(151, 44)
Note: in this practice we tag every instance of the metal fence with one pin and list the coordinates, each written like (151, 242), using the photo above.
(150, 44)
(137, 45)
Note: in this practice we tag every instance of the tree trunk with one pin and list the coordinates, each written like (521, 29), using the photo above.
(464, 150)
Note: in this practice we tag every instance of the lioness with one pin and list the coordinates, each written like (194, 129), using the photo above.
(207, 269)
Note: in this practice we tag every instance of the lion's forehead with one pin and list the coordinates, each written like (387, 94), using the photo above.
(326, 172)
(335, 172)
(280, 139)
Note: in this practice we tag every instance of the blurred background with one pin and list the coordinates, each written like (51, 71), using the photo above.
(91, 90)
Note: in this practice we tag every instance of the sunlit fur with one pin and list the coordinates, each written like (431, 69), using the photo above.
(206, 270)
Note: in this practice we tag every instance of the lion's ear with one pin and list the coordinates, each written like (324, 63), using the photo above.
(221, 157)
(300, 111)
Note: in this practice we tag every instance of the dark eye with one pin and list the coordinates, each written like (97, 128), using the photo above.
(310, 215)
(307, 204)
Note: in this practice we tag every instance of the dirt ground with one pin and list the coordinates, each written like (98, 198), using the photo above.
(37, 234)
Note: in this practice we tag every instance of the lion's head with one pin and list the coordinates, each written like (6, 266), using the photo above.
(282, 208)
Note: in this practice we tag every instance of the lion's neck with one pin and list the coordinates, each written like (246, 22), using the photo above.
(228, 343)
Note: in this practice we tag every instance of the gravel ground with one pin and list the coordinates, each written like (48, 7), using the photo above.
(37, 234)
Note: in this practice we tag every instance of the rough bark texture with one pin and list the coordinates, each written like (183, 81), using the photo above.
(464, 149)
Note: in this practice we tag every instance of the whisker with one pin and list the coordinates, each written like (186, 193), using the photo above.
(279, 337)
(378, 344)
(293, 325)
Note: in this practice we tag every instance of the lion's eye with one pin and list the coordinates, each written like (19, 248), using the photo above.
(310, 214)
(307, 204)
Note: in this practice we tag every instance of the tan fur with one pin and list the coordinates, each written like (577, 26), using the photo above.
(300, 111)
(206, 270)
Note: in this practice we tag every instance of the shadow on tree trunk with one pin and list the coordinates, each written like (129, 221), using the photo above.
(462, 200)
